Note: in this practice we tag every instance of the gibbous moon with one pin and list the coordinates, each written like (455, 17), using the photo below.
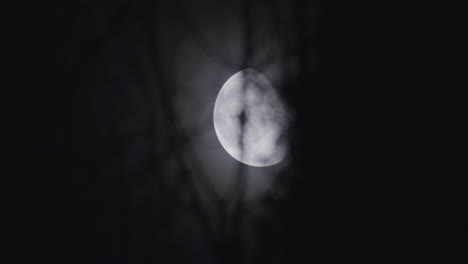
(249, 96)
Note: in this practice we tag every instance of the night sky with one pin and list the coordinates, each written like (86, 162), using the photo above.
(113, 157)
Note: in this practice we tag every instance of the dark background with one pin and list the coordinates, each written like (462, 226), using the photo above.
(375, 144)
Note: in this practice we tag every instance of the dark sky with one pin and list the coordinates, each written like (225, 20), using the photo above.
(111, 149)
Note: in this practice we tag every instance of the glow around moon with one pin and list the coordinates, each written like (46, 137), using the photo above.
(262, 142)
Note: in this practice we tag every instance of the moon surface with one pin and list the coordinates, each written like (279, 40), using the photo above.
(249, 96)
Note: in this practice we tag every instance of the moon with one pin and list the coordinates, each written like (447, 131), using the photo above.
(249, 96)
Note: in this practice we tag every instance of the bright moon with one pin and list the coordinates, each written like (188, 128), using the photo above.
(263, 141)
